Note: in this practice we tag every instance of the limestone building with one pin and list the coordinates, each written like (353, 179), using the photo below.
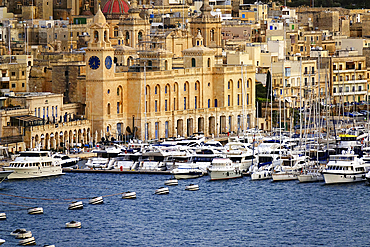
(158, 100)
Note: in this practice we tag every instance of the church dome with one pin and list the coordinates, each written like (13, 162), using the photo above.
(115, 7)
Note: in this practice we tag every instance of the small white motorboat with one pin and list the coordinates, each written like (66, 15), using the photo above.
(49, 245)
(28, 241)
(129, 195)
(16, 231)
(171, 182)
(73, 224)
(192, 187)
(96, 200)
(2, 216)
(76, 205)
(24, 234)
(162, 191)
(37, 210)
(2, 241)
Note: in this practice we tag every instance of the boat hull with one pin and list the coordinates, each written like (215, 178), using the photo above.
(261, 175)
(284, 177)
(221, 175)
(24, 173)
(96, 200)
(309, 178)
(340, 178)
(188, 175)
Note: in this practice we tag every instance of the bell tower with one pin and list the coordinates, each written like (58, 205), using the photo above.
(99, 73)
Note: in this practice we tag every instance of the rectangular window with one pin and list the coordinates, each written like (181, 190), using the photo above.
(39, 112)
(165, 105)
(56, 111)
(13, 85)
(209, 103)
(287, 71)
(248, 99)
(228, 100)
(47, 112)
(174, 104)
(195, 103)
(13, 73)
(238, 99)
(52, 111)
(156, 106)
(359, 88)
(184, 87)
(184, 103)
(43, 112)
(117, 107)
(22, 84)
(35, 112)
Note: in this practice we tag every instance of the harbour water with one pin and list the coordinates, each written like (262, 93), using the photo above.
(236, 212)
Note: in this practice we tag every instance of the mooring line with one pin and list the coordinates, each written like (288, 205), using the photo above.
(56, 199)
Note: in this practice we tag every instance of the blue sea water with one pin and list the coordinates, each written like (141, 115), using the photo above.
(236, 212)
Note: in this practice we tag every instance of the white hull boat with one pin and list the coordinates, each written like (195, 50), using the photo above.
(2, 241)
(76, 205)
(261, 175)
(192, 187)
(284, 176)
(345, 168)
(187, 173)
(27, 241)
(34, 164)
(96, 200)
(162, 191)
(171, 182)
(73, 224)
(38, 210)
(129, 195)
(310, 177)
(224, 169)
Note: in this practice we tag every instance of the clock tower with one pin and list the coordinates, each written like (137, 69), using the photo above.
(99, 74)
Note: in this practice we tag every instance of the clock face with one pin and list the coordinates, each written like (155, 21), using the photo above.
(94, 62)
(108, 62)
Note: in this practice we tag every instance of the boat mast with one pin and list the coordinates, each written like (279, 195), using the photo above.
(145, 92)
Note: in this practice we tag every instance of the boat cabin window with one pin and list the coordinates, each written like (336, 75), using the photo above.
(342, 158)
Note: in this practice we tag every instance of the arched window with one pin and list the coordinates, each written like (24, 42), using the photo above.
(115, 31)
(209, 62)
(155, 90)
(193, 63)
(166, 65)
(108, 109)
(215, 102)
(140, 36)
(228, 85)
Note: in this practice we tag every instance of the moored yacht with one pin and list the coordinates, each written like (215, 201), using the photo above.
(34, 164)
(345, 168)
(65, 161)
(223, 168)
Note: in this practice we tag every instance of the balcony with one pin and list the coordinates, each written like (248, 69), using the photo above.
(350, 93)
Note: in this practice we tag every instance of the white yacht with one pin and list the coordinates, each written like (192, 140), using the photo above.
(312, 172)
(105, 157)
(288, 167)
(66, 161)
(187, 170)
(345, 168)
(34, 164)
(240, 155)
(223, 168)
